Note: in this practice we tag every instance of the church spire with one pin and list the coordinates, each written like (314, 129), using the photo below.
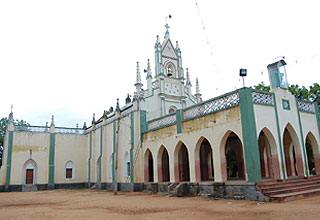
(188, 77)
(149, 73)
(138, 80)
(198, 94)
(138, 83)
(167, 35)
(149, 77)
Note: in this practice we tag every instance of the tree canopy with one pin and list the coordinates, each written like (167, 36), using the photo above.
(310, 94)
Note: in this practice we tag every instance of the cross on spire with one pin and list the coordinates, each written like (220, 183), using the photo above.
(167, 26)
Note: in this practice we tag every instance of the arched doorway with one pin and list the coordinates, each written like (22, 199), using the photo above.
(204, 161)
(148, 167)
(312, 154)
(163, 165)
(234, 158)
(30, 172)
(269, 162)
(293, 157)
(182, 172)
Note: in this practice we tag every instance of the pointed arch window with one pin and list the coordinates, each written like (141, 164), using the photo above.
(69, 170)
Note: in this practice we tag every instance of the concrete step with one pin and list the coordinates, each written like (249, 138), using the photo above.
(292, 189)
(266, 189)
(270, 183)
(295, 195)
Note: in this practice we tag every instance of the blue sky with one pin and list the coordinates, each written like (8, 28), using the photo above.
(75, 58)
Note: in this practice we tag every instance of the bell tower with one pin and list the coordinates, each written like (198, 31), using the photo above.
(166, 89)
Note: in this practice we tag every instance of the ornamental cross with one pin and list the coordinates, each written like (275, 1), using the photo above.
(167, 27)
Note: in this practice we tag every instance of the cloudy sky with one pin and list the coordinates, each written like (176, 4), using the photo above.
(73, 58)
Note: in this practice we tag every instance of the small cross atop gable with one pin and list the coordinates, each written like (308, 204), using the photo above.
(169, 51)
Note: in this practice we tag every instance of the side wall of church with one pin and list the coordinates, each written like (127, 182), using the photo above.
(70, 148)
(25, 146)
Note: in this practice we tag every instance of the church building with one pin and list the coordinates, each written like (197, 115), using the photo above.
(168, 139)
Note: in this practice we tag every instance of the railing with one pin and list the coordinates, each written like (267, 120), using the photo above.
(162, 122)
(126, 111)
(265, 98)
(62, 130)
(305, 106)
(43, 129)
(38, 129)
(213, 105)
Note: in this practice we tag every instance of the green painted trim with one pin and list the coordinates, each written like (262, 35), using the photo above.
(178, 121)
(101, 145)
(9, 157)
(316, 107)
(143, 121)
(284, 171)
(51, 158)
(114, 150)
(249, 134)
(132, 147)
(89, 159)
(302, 141)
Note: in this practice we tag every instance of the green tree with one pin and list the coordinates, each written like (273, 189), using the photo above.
(263, 87)
(312, 94)
(3, 128)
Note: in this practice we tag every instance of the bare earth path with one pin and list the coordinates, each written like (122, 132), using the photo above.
(90, 204)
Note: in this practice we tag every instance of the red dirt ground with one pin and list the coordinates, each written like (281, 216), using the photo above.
(92, 204)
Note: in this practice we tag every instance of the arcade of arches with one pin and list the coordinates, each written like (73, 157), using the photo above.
(232, 159)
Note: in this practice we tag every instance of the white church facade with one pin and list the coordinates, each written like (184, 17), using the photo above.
(168, 135)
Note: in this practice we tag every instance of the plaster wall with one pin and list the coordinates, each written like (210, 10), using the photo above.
(124, 147)
(309, 124)
(70, 147)
(289, 116)
(23, 143)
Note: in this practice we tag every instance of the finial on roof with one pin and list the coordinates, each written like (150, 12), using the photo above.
(84, 125)
(138, 74)
(177, 45)
(198, 94)
(94, 118)
(11, 114)
(197, 86)
(149, 73)
(52, 120)
(188, 77)
(118, 106)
